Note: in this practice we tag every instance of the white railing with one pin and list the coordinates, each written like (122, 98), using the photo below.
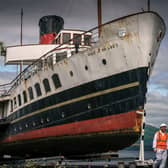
(4, 89)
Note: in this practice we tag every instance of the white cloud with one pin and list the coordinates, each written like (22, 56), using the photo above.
(157, 107)
(6, 77)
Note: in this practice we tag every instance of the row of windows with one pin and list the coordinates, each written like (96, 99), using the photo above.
(32, 124)
(46, 84)
(47, 88)
(77, 39)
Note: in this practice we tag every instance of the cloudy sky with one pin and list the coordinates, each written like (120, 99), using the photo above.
(82, 14)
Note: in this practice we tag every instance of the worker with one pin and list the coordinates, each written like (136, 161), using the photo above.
(160, 146)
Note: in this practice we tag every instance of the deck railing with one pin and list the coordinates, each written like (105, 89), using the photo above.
(46, 61)
(4, 89)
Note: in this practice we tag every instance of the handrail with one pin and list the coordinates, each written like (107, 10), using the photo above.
(4, 88)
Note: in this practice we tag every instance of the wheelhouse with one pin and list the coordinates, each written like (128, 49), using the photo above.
(73, 37)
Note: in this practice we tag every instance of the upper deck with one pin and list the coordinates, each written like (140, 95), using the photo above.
(37, 56)
(67, 42)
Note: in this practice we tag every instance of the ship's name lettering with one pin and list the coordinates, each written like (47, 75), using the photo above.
(106, 47)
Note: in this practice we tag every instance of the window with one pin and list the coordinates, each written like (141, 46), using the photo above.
(46, 85)
(57, 40)
(38, 89)
(19, 100)
(11, 102)
(15, 103)
(56, 81)
(66, 38)
(24, 96)
(30, 91)
(87, 40)
(61, 56)
(77, 38)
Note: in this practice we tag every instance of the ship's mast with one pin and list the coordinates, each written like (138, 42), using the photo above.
(21, 34)
(99, 14)
(148, 5)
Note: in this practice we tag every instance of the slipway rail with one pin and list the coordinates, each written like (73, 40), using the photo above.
(61, 162)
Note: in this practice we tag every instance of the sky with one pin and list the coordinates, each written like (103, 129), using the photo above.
(81, 14)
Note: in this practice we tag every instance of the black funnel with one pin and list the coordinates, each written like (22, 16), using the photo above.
(50, 24)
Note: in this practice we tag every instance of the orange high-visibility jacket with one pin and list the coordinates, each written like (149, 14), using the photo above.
(161, 142)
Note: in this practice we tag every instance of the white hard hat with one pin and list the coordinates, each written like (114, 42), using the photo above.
(163, 125)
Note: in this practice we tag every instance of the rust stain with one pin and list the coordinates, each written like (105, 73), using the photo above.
(65, 62)
(138, 121)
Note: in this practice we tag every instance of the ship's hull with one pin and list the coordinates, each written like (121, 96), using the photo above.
(84, 137)
(97, 118)
(99, 103)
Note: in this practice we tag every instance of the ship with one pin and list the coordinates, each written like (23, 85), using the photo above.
(82, 91)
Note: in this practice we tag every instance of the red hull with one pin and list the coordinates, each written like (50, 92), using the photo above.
(114, 123)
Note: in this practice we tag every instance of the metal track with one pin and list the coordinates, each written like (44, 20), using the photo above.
(62, 162)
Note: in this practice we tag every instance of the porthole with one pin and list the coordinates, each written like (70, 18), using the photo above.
(42, 121)
(104, 61)
(71, 73)
(89, 106)
(26, 125)
(63, 115)
(47, 119)
(86, 67)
